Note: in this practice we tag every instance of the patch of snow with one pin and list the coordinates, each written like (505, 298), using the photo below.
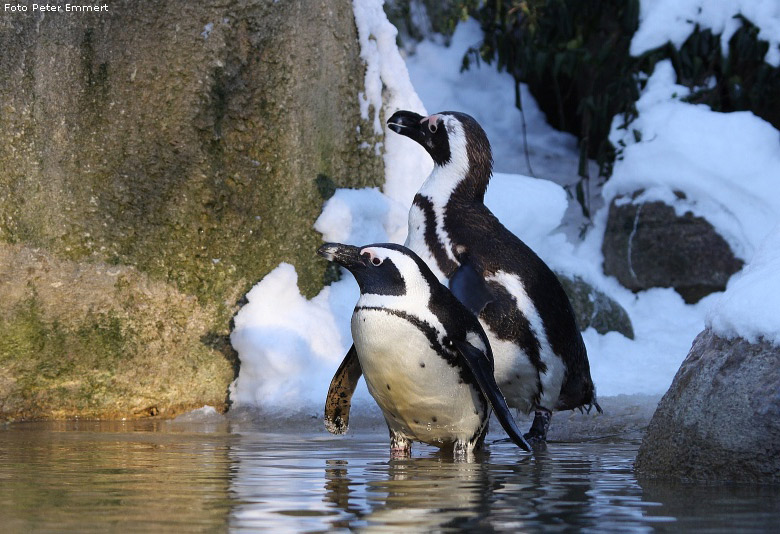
(290, 346)
(362, 216)
(726, 164)
(531, 208)
(749, 306)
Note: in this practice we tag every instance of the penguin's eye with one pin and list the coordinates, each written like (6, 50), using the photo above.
(432, 127)
(376, 261)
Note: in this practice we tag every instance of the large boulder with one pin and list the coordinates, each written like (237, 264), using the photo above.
(189, 144)
(720, 419)
(648, 245)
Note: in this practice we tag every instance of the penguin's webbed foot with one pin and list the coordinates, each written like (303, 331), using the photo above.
(537, 435)
(400, 446)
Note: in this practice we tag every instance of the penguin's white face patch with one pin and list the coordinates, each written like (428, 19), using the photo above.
(443, 180)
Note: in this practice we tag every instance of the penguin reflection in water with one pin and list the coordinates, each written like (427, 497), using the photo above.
(541, 363)
(424, 355)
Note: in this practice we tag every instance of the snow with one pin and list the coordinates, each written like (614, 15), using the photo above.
(726, 164)
(748, 308)
(290, 346)
(362, 216)
(662, 21)
(388, 89)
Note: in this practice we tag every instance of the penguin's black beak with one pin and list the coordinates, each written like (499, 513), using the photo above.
(345, 255)
(410, 124)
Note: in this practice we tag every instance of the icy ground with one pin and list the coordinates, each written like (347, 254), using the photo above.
(727, 164)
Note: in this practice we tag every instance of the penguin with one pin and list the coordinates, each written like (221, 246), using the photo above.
(541, 363)
(426, 359)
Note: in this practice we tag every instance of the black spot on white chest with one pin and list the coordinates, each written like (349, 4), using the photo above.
(420, 387)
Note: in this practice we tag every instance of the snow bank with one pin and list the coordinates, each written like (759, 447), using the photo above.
(530, 207)
(289, 346)
(662, 21)
(362, 216)
(388, 89)
(749, 307)
(726, 164)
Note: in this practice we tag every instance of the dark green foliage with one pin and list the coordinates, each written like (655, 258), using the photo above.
(738, 82)
(574, 57)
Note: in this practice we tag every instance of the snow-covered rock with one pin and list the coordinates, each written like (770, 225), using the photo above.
(594, 308)
(720, 420)
(748, 308)
(649, 245)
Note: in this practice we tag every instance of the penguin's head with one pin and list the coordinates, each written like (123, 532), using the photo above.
(455, 141)
(381, 268)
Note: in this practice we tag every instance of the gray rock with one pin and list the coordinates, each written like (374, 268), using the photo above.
(647, 245)
(720, 419)
(594, 308)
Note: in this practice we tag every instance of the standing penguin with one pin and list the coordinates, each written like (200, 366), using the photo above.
(540, 359)
(425, 357)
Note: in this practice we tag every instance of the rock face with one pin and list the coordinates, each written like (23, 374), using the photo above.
(596, 309)
(102, 341)
(647, 245)
(720, 419)
(187, 146)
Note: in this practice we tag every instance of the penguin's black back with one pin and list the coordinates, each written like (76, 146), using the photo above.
(492, 248)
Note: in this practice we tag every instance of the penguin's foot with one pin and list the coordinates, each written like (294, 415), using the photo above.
(538, 432)
(463, 451)
(400, 446)
(400, 452)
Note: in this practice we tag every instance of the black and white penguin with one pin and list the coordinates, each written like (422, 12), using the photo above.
(541, 363)
(424, 355)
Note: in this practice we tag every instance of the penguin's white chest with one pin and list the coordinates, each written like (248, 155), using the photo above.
(421, 395)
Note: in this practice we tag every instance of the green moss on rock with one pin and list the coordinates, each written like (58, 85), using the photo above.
(98, 341)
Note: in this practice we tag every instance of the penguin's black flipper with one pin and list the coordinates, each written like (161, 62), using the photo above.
(480, 367)
(339, 399)
(469, 286)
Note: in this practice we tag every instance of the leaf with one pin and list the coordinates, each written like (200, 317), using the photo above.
(580, 191)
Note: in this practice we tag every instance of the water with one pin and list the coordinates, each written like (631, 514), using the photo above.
(169, 477)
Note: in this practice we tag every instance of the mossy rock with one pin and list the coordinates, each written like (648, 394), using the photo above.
(186, 141)
(593, 308)
(98, 341)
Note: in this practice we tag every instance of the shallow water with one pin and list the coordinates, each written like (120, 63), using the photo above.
(163, 476)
